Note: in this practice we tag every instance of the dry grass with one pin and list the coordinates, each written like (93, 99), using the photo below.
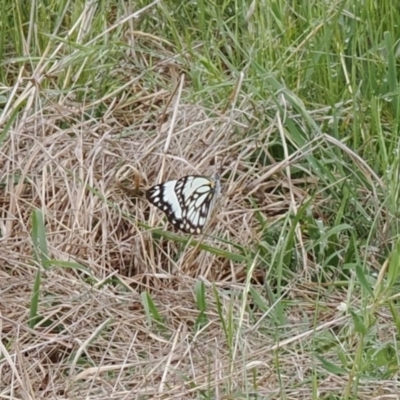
(86, 166)
(95, 339)
(68, 165)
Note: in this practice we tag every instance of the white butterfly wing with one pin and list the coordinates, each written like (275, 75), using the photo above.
(164, 197)
(187, 201)
(195, 194)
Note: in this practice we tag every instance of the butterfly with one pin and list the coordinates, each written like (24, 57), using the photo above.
(187, 202)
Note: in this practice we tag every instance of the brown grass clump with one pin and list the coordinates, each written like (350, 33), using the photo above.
(88, 177)
(95, 339)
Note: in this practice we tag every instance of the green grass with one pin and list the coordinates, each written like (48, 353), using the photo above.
(294, 295)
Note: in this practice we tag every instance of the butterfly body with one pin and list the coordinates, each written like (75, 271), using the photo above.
(187, 202)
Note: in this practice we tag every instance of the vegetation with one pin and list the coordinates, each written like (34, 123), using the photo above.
(292, 291)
